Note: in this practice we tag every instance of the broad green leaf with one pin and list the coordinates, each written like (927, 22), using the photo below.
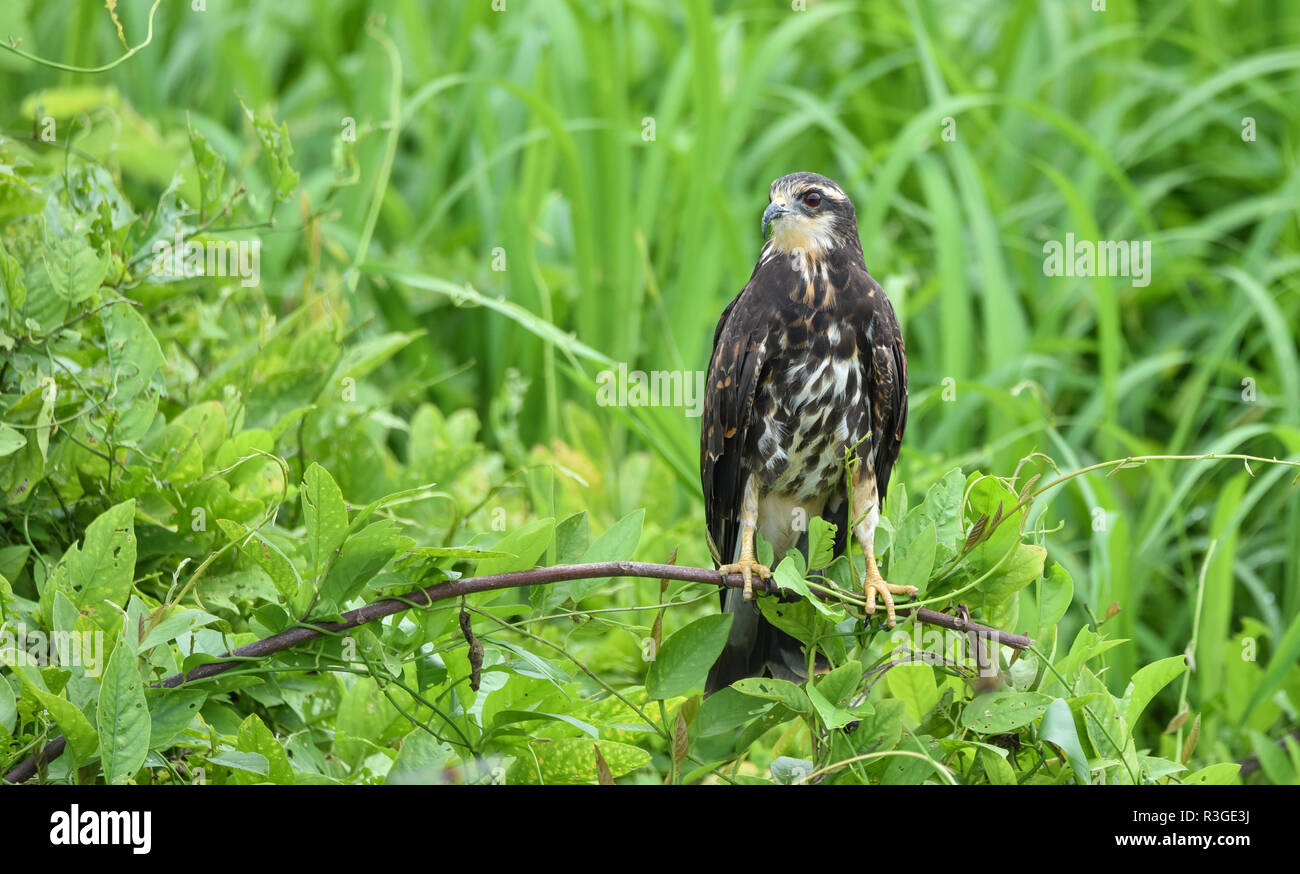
(1222, 774)
(268, 557)
(1147, 683)
(617, 544)
(913, 684)
(123, 716)
(911, 565)
(999, 712)
(1023, 566)
(997, 769)
(572, 537)
(728, 709)
(527, 544)
(174, 626)
(1055, 591)
(170, 712)
(841, 683)
(134, 357)
(772, 689)
(75, 270)
(1059, 730)
(796, 618)
(420, 761)
(252, 763)
(363, 555)
(83, 740)
(573, 760)
(97, 574)
(787, 770)
(11, 440)
(683, 662)
(831, 716)
(326, 516)
(255, 737)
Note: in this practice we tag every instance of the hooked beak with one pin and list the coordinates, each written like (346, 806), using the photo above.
(774, 211)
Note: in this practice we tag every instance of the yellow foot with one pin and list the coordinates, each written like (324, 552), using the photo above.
(746, 567)
(877, 586)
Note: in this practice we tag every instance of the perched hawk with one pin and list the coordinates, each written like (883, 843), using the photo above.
(807, 361)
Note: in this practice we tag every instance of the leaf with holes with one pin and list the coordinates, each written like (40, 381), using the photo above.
(999, 712)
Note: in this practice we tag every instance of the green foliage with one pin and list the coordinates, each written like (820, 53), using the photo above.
(398, 389)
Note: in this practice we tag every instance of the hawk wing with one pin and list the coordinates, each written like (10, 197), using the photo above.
(881, 339)
(739, 351)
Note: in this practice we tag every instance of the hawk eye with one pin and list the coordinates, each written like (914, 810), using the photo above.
(812, 198)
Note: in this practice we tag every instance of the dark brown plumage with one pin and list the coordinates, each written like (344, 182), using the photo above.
(807, 360)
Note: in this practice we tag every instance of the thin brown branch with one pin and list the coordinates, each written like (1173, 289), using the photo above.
(472, 585)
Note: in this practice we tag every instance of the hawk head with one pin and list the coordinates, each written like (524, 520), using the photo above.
(809, 213)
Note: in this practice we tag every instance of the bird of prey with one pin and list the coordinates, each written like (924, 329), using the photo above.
(807, 362)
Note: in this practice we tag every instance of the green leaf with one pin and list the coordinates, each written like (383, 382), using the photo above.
(134, 358)
(831, 716)
(773, 689)
(999, 712)
(277, 150)
(796, 618)
(170, 712)
(619, 543)
(821, 543)
(683, 662)
(268, 557)
(1147, 683)
(83, 740)
(912, 565)
(363, 555)
(841, 683)
(1285, 656)
(1055, 591)
(75, 270)
(913, 684)
(255, 737)
(573, 760)
(326, 515)
(421, 761)
(527, 544)
(174, 626)
(211, 170)
(97, 574)
(8, 707)
(1059, 730)
(123, 717)
(11, 440)
(458, 552)
(1222, 774)
(1023, 567)
(728, 709)
(787, 770)
(997, 769)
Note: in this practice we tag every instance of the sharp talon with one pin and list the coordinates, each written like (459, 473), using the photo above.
(746, 567)
(876, 585)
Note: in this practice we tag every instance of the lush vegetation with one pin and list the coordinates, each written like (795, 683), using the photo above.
(445, 221)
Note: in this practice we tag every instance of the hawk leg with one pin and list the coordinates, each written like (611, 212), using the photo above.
(866, 513)
(748, 564)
